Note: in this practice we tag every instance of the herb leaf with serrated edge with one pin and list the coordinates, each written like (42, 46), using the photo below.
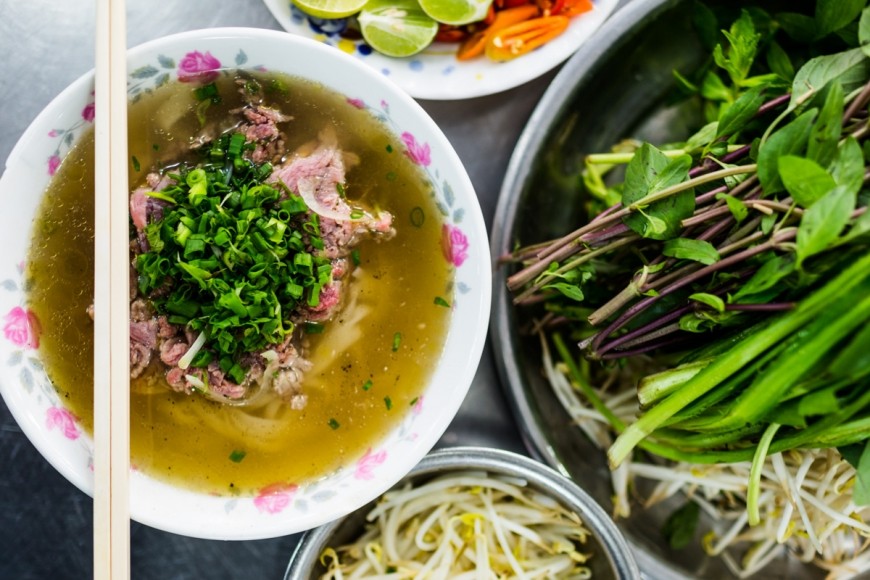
(650, 171)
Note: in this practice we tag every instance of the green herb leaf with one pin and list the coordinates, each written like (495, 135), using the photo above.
(850, 68)
(743, 45)
(710, 300)
(779, 62)
(847, 168)
(689, 249)
(714, 89)
(367, 385)
(738, 114)
(702, 138)
(237, 455)
(679, 528)
(805, 180)
(737, 207)
(568, 290)
(832, 15)
(860, 227)
(861, 491)
(706, 24)
(864, 31)
(825, 133)
(770, 273)
(333, 424)
(389, 403)
(822, 223)
(397, 341)
(800, 27)
(651, 171)
(788, 140)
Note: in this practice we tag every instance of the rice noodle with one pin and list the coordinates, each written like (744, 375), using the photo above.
(806, 500)
(469, 525)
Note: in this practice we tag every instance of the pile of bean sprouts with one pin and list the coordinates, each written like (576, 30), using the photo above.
(805, 503)
(468, 525)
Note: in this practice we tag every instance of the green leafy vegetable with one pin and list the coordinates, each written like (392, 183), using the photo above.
(231, 258)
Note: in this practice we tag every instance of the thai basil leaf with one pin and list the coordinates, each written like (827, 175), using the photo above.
(851, 68)
(568, 290)
(779, 62)
(825, 133)
(689, 249)
(767, 276)
(741, 111)
(847, 168)
(864, 31)
(832, 15)
(737, 207)
(822, 223)
(860, 227)
(743, 45)
(650, 171)
(705, 24)
(805, 180)
(767, 223)
(714, 89)
(788, 140)
(800, 27)
(703, 137)
(710, 300)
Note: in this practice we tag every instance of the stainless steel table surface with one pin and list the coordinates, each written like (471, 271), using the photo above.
(46, 522)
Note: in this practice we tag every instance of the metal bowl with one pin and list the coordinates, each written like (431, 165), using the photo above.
(615, 86)
(612, 556)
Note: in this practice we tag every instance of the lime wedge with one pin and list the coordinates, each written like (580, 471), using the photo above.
(396, 27)
(330, 8)
(456, 12)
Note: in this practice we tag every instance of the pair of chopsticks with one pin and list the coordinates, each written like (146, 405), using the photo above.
(111, 299)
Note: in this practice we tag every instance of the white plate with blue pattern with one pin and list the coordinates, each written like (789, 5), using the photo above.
(435, 73)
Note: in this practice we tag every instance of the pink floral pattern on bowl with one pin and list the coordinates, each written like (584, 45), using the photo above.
(281, 508)
(368, 462)
(62, 420)
(198, 67)
(275, 498)
(22, 328)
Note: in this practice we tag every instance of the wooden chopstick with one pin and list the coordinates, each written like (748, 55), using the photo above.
(111, 299)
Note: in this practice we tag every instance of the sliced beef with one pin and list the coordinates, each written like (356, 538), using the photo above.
(143, 339)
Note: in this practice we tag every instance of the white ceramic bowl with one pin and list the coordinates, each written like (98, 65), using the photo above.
(275, 511)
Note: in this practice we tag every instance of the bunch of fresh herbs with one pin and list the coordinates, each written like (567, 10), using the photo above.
(738, 259)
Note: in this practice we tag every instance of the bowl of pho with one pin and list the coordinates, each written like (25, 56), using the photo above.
(471, 512)
(680, 327)
(309, 283)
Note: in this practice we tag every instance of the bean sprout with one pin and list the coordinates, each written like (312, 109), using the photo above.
(805, 503)
(469, 525)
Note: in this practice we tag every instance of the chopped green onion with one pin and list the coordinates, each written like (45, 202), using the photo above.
(397, 341)
(367, 385)
(333, 424)
(441, 302)
(388, 402)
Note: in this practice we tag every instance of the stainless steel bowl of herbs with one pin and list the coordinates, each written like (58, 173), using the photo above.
(682, 250)
(470, 512)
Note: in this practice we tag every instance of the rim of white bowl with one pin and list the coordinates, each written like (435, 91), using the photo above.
(199, 515)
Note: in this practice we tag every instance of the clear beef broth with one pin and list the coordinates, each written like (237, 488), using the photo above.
(359, 386)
